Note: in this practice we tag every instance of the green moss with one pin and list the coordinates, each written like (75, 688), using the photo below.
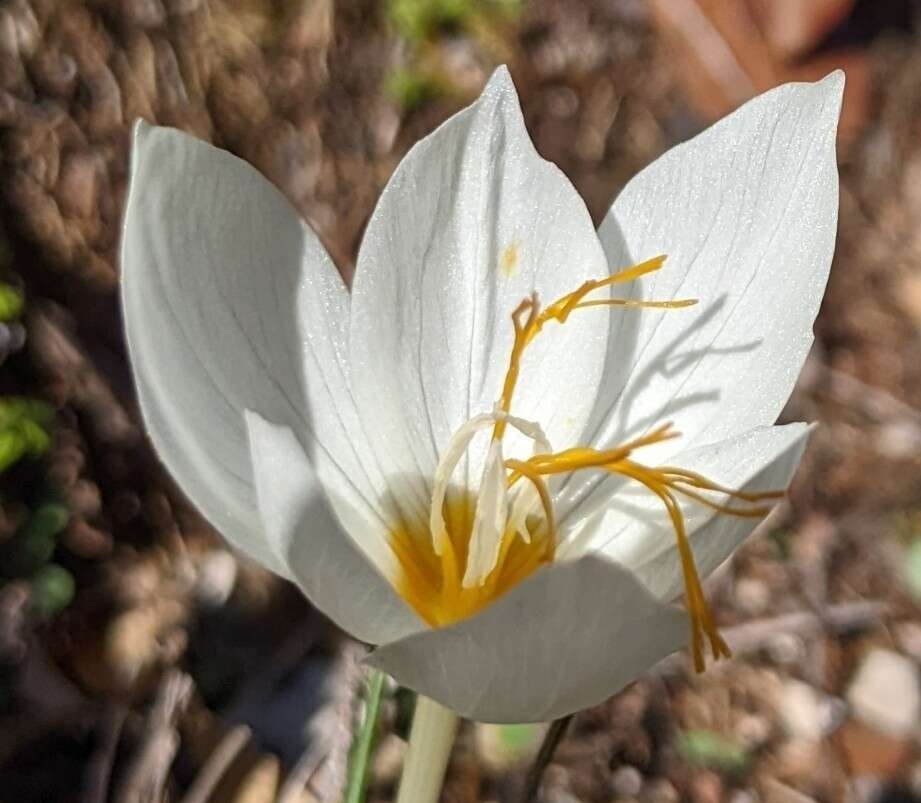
(24, 429)
(702, 748)
(11, 303)
(53, 589)
(412, 89)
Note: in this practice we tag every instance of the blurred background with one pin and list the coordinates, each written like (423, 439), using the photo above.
(142, 661)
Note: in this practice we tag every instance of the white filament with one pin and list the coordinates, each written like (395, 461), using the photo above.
(457, 446)
(489, 520)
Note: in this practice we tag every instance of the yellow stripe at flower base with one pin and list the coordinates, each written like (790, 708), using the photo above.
(435, 592)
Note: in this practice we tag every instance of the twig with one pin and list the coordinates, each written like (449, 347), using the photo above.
(324, 767)
(98, 773)
(552, 739)
(300, 776)
(852, 392)
(716, 56)
(752, 636)
(146, 776)
(875, 401)
(214, 768)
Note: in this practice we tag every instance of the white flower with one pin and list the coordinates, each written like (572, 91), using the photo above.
(314, 427)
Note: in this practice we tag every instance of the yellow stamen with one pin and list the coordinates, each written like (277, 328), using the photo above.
(664, 482)
(526, 329)
(432, 563)
(522, 469)
(631, 303)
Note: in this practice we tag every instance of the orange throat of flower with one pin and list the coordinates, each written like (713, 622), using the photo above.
(433, 585)
(475, 547)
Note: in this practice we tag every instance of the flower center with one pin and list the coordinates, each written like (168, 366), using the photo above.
(433, 585)
(479, 545)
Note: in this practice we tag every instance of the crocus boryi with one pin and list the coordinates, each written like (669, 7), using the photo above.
(472, 459)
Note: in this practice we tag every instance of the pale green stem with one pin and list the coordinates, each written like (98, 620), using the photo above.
(364, 741)
(430, 742)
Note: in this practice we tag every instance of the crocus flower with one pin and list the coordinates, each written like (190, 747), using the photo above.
(512, 446)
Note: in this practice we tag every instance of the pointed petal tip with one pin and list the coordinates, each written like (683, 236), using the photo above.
(500, 88)
(501, 78)
(141, 134)
(835, 80)
(832, 86)
(139, 128)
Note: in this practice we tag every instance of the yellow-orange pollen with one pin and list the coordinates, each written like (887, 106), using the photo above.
(434, 576)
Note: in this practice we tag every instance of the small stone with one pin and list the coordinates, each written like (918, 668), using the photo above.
(28, 30)
(217, 576)
(78, 185)
(797, 758)
(290, 157)
(898, 440)
(802, 710)
(260, 784)
(562, 102)
(786, 649)
(388, 759)
(752, 731)
(556, 795)
(179, 7)
(16, 337)
(865, 789)
(914, 779)
(706, 787)
(751, 595)
(777, 792)
(908, 637)
(54, 72)
(885, 693)
(87, 541)
(143, 13)
(626, 781)
(870, 752)
(83, 498)
(171, 87)
(659, 790)
(103, 101)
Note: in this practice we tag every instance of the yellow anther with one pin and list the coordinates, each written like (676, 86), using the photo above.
(527, 328)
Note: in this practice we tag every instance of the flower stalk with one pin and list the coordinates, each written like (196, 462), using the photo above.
(430, 740)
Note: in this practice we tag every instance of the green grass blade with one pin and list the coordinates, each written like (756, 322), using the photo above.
(363, 744)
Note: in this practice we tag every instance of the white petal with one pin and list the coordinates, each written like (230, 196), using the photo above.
(472, 222)
(747, 214)
(567, 638)
(301, 528)
(636, 533)
(230, 303)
